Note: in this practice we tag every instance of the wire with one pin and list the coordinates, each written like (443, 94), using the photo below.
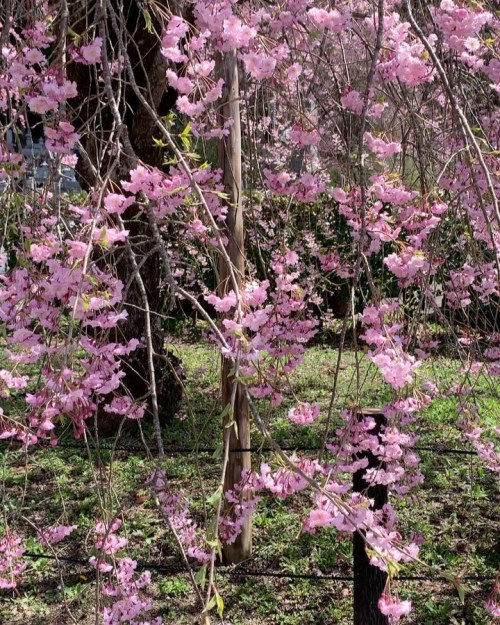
(212, 450)
(225, 570)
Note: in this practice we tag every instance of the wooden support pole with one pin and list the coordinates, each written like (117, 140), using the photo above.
(369, 581)
(229, 157)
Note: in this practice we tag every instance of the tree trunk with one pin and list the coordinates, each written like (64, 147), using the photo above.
(149, 66)
(369, 581)
(229, 155)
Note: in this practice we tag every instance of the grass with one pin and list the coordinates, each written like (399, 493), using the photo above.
(456, 510)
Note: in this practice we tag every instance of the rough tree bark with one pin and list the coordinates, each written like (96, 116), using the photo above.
(94, 116)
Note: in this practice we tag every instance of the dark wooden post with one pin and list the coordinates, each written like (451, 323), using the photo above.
(229, 156)
(369, 581)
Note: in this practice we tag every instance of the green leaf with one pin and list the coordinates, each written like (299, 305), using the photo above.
(461, 590)
(75, 35)
(222, 195)
(211, 604)
(169, 119)
(215, 544)
(220, 604)
(177, 190)
(235, 426)
(214, 499)
(393, 569)
(185, 136)
(218, 450)
(172, 161)
(227, 410)
(201, 576)
(187, 130)
(148, 20)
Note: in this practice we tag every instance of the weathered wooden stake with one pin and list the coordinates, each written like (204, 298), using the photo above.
(369, 581)
(229, 156)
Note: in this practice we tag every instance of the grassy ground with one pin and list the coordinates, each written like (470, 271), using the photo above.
(456, 510)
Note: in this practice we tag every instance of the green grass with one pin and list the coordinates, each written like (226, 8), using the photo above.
(456, 510)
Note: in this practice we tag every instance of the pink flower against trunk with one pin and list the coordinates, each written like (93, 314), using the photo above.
(393, 607)
(182, 84)
(61, 139)
(191, 109)
(222, 304)
(41, 104)
(260, 66)
(91, 54)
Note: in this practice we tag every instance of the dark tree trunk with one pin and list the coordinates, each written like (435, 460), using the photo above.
(95, 121)
(369, 581)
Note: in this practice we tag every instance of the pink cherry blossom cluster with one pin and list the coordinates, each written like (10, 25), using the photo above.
(123, 584)
(304, 413)
(487, 450)
(393, 607)
(305, 188)
(460, 28)
(333, 21)
(378, 223)
(398, 464)
(385, 336)
(241, 504)
(405, 58)
(176, 507)
(55, 534)
(11, 562)
(284, 481)
(12, 165)
(58, 304)
(380, 147)
(61, 139)
(271, 332)
(53, 285)
(89, 54)
(304, 138)
(196, 80)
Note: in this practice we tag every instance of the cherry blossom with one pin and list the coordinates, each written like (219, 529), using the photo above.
(91, 53)
(394, 608)
(304, 414)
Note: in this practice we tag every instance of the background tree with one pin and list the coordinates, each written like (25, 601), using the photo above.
(109, 110)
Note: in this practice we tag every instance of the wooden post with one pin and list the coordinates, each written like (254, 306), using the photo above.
(229, 157)
(369, 581)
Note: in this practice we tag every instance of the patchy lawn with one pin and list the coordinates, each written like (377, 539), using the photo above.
(456, 510)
